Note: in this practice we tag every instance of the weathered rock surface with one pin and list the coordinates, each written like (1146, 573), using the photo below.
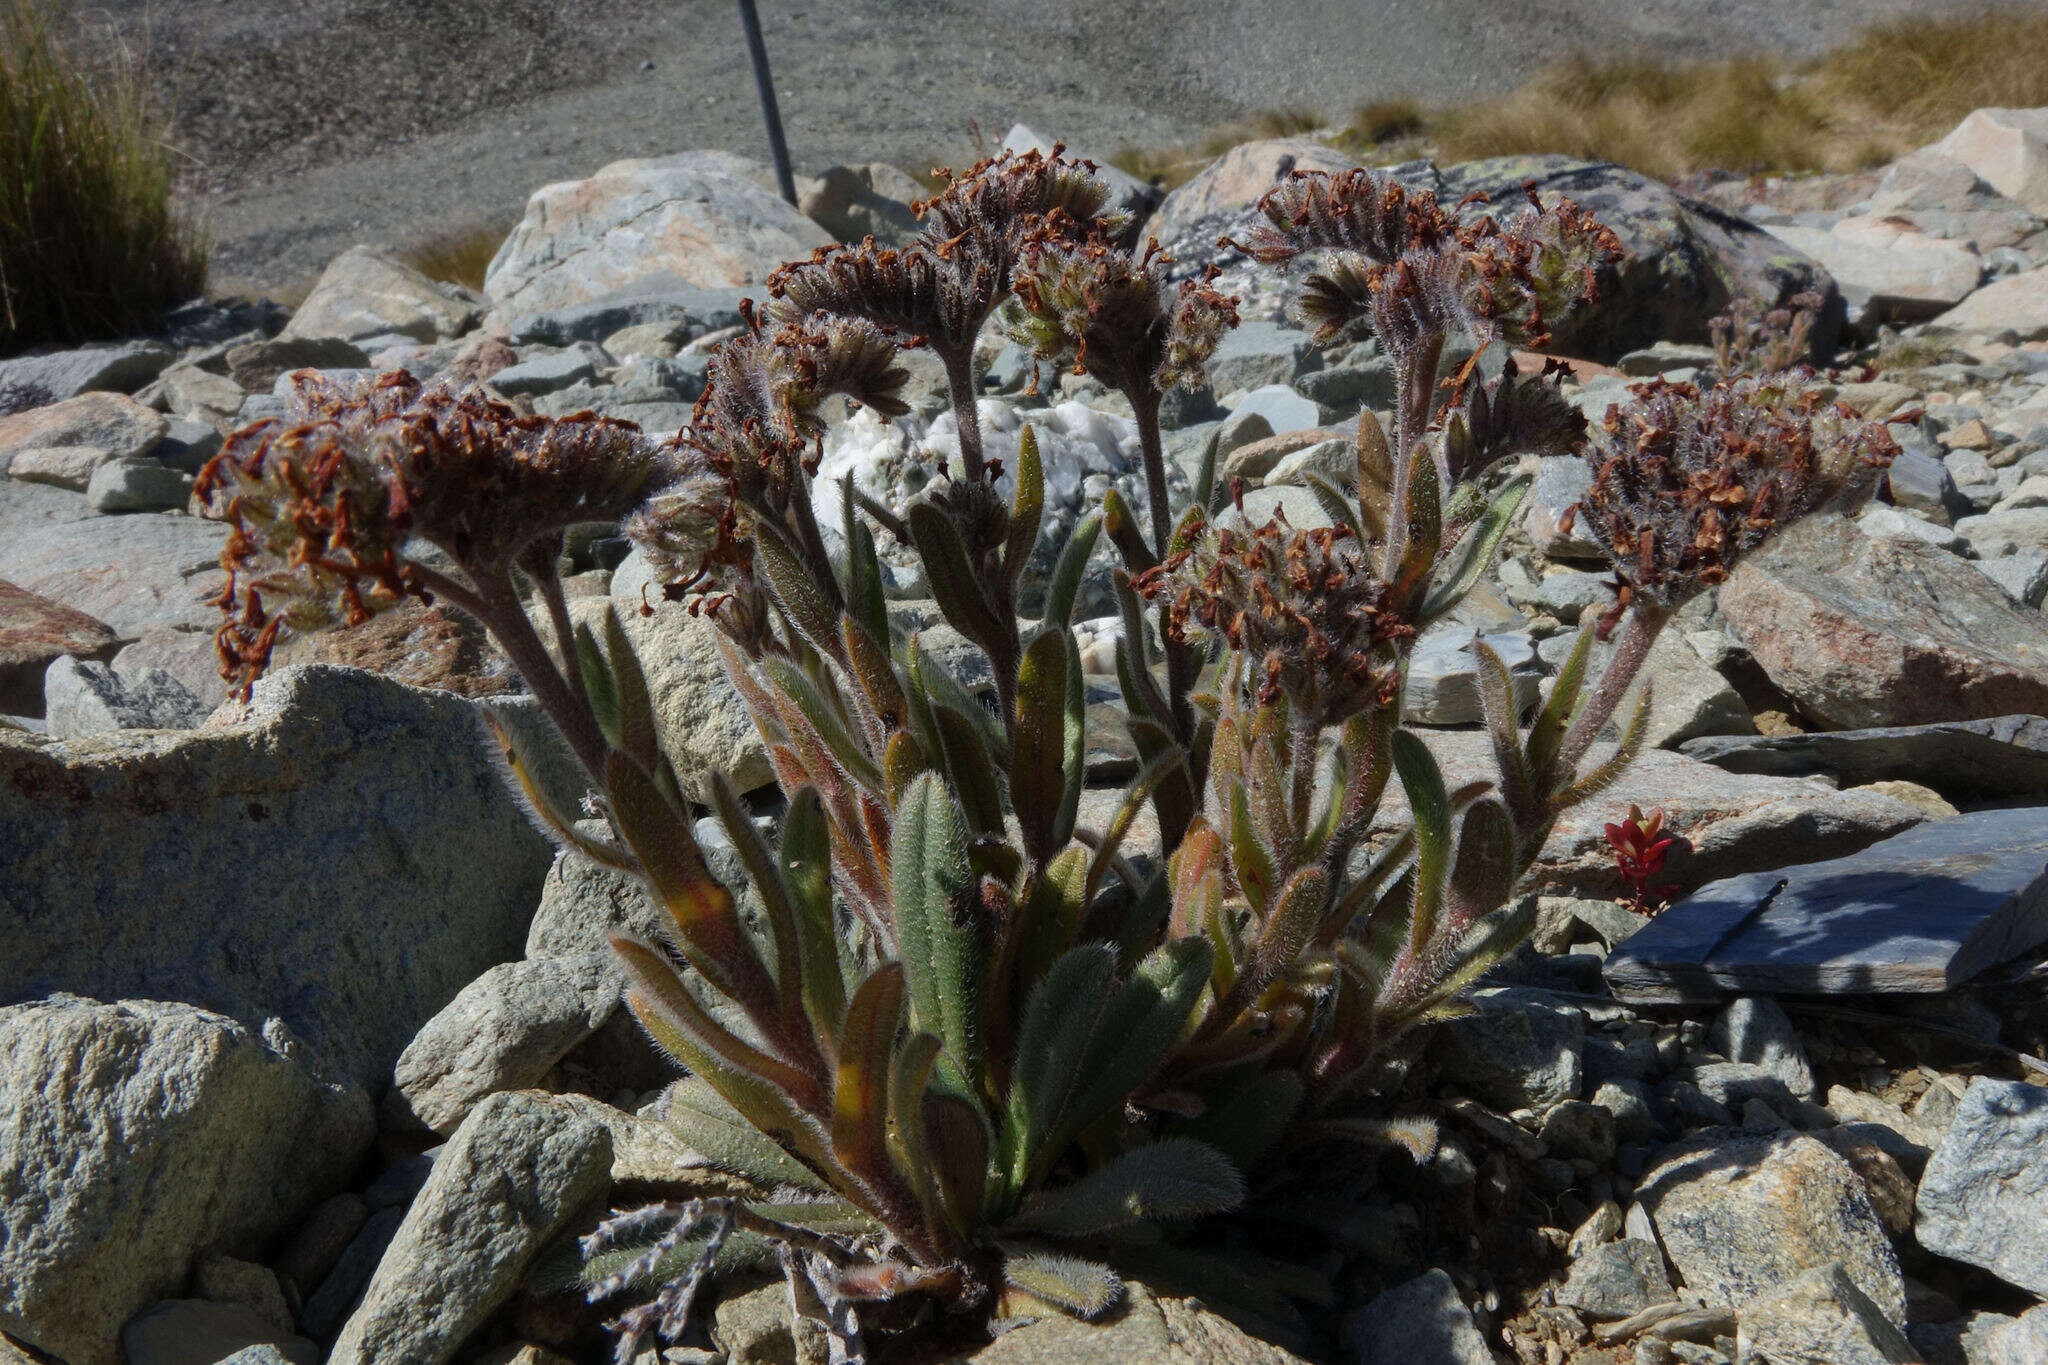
(1617, 1280)
(510, 1179)
(1918, 913)
(695, 218)
(196, 1332)
(1733, 822)
(2003, 756)
(1886, 272)
(1821, 1316)
(2008, 148)
(135, 1135)
(1519, 1050)
(2017, 303)
(104, 421)
(1983, 1198)
(34, 381)
(421, 645)
(1870, 632)
(1235, 181)
(342, 854)
(502, 1032)
(1423, 1319)
(257, 365)
(34, 633)
(1740, 1214)
(131, 573)
(365, 292)
(82, 698)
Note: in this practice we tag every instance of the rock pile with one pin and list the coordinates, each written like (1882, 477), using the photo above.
(310, 1051)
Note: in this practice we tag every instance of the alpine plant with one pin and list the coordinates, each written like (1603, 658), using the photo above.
(966, 1050)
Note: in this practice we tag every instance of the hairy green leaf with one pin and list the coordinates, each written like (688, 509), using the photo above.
(1067, 571)
(1082, 1289)
(939, 936)
(1173, 1179)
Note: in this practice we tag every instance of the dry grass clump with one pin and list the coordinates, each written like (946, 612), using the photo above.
(458, 254)
(1896, 87)
(89, 244)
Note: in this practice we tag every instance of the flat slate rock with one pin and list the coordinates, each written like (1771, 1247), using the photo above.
(2004, 756)
(1918, 913)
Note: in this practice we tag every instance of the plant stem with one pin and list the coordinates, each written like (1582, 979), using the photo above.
(1182, 665)
(506, 619)
(960, 381)
(549, 585)
(1645, 623)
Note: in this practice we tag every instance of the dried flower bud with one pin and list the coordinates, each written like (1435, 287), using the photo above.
(1685, 483)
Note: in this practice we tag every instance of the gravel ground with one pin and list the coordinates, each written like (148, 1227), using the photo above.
(312, 124)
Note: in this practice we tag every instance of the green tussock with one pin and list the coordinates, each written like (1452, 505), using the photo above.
(90, 244)
(460, 254)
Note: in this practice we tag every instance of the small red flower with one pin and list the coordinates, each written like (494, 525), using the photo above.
(1639, 844)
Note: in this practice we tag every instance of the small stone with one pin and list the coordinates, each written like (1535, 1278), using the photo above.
(545, 374)
(196, 1332)
(1603, 1225)
(1630, 1102)
(1577, 1129)
(70, 467)
(137, 486)
(257, 365)
(1755, 1030)
(1617, 1280)
(513, 1176)
(1518, 1051)
(1971, 435)
(1257, 354)
(1983, 1198)
(105, 421)
(1821, 1316)
(1936, 806)
(223, 1279)
(1281, 406)
(1422, 1320)
(365, 292)
(1740, 1214)
(34, 633)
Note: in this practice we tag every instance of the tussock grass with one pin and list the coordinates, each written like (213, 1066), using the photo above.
(90, 245)
(1896, 87)
(459, 254)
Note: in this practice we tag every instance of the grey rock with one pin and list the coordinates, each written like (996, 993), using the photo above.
(513, 1176)
(1916, 914)
(1635, 1120)
(1239, 429)
(397, 1183)
(1684, 259)
(375, 811)
(1333, 459)
(1443, 685)
(1371, 383)
(1561, 480)
(1735, 1084)
(1740, 1214)
(1869, 632)
(330, 1305)
(857, 202)
(2005, 756)
(503, 1032)
(2024, 1341)
(106, 421)
(137, 486)
(1301, 508)
(187, 655)
(1754, 1029)
(545, 374)
(34, 381)
(2024, 575)
(1822, 1315)
(1881, 520)
(1578, 1130)
(1886, 273)
(1663, 357)
(583, 902)
(1965, 1341)
(35, 633)
(1731, 822)
(85, 698)
(133, 1136)
(258, 365)
(195, 1332)
(67, 467)
(1283, 408)
(1617, 1280)
(187, 445)
(1423, 1319)
(2002, 533)
(1521, 1050)
(695, 308)
(1258, 354)
(1223, 192)
(1569, 594)
(365, 292)
(198, 394)
(696, 216)
(319, 1242)
(1920, 483)
(1983, 1198)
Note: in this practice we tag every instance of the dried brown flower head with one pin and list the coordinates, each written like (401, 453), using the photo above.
(1306, 610)
(1685, 483)
(322, 502)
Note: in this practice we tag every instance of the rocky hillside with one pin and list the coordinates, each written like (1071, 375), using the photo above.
(311, 1049)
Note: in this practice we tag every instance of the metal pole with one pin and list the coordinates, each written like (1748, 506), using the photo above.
(764, 86)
